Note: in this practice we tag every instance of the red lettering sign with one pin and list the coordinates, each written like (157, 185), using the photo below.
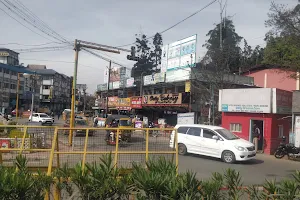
(136, 102)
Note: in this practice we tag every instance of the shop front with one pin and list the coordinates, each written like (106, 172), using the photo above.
(164, 106)
(259, 115)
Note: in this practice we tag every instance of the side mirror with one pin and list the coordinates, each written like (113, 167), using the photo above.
(215, 137)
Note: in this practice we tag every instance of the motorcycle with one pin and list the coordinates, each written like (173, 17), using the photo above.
(153, 133)
(112, 139)
(286, 149)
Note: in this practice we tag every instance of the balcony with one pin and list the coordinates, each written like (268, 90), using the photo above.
(46, 92)
(48, 82)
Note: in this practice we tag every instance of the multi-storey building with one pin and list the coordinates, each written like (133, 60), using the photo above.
(55, 88)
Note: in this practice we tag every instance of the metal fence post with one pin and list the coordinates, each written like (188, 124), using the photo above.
(176, 146)
(147, 144)
(23, 140)
(85, 148)
(117, 147)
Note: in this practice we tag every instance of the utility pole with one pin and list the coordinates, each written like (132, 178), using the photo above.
(84, 100)
(221, 23)
(108, 80)
(190, 103)
(72, 119)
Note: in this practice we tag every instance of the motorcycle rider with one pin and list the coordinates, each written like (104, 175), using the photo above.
(114, 124)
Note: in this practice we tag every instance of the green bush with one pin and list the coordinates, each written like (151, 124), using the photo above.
(157, 181)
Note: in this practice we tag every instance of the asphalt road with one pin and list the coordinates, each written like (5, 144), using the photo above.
(255, 171)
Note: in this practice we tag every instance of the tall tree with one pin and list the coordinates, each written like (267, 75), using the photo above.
(283, 39)
(149, 54)
(226, 58)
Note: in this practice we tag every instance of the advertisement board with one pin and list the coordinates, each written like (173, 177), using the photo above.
(186, 118)
(112, 102)
(130, 82)
(116, 85)
(179, 54)
(136, 102)
(178, 75)
(251, 100)
(124, 104)
(102, 87)
(154, 78)
(162, 99)
(297, 131)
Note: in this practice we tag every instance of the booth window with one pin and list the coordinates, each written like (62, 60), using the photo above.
(235, 127)
(280, 131)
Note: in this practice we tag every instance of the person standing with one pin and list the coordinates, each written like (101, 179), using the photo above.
(256, 136)
(58, 115)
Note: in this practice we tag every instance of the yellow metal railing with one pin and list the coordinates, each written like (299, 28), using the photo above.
(86, 149)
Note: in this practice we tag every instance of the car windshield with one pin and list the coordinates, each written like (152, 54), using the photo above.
(81, 122)
(227, 134)
(44, 116)
(125, 123)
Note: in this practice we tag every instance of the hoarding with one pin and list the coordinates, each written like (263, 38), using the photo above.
(130, 82)
(124, 104)
(178, 75)
(162, 99)
(136, 102)
(251, 100)
(112, 102)
(116, 85)
(186, 118)
(154, 78)
(179, 54)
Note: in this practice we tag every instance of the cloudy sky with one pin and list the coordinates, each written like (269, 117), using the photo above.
(115, 23)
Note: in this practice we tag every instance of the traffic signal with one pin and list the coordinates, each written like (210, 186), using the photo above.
(132, 56)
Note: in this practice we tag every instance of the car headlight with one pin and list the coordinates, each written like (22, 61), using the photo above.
(239, 148)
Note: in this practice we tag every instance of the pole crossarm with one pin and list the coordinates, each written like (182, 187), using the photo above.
(82, 42)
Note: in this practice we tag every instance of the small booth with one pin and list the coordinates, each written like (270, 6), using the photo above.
(266, 109)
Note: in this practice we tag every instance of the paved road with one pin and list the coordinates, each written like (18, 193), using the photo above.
(59, 122)
(252, 172)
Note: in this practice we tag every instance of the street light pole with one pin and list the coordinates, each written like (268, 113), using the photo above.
(17, 103)
(33, 76)
(142, 83)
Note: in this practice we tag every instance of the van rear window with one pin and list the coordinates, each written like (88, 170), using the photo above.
(183, 129)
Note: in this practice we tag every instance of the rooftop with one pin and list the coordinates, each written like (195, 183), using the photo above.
(20, 69)
(9, 50)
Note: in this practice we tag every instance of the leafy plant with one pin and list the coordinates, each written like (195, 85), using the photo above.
(233, 182)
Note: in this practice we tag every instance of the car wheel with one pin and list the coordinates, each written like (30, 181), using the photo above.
(228, 157)
(182, 149)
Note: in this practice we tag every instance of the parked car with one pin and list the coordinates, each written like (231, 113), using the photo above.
(79, 123)
(42, 118)
(212, 141)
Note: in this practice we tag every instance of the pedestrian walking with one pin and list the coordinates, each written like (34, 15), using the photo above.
(58, 115)
(256, 136)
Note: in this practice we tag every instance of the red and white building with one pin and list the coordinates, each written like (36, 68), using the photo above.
(268, 108)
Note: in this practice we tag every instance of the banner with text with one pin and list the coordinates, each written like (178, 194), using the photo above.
(162, 100)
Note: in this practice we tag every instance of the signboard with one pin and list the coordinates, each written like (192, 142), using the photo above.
(136, 102)
(187, 86)
(116, 85)
(124, 104)
(179, 54)
(162, 100)
(4, 54)
(112, 102)
(251, 100)
(178, 75)
(130, 82)
(154, 78)
(186, 118)
(297, 131)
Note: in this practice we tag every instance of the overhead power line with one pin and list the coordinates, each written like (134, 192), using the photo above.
(176, 24)
(31, 45)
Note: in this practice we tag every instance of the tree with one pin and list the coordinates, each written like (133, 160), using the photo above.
(150, 55)
(283, 39)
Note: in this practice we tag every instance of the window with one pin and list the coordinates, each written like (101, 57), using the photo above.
(280, 131)
(182, 129)
(227, 134)
(208, 133)
(46, 87)
(235, 127)
(194, 131)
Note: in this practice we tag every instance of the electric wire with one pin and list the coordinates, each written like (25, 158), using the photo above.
(176, 24)
(31, 45)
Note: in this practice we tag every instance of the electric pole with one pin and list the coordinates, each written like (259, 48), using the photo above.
(108, 80)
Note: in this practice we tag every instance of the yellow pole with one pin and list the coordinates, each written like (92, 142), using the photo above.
(85, 148)
(57, 156)
(76, 48)
(176, 146)
(147, 145)
(17, 103)
(23, 140)
(117, 148)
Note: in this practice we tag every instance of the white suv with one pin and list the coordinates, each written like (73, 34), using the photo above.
(212, 141)
(42, 118)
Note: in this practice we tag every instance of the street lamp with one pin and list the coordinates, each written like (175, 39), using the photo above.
(34, 76)
(17, 103)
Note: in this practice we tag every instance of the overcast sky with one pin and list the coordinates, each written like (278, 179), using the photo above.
(115, 23)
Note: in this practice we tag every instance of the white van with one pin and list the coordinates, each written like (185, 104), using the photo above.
(212, 141)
